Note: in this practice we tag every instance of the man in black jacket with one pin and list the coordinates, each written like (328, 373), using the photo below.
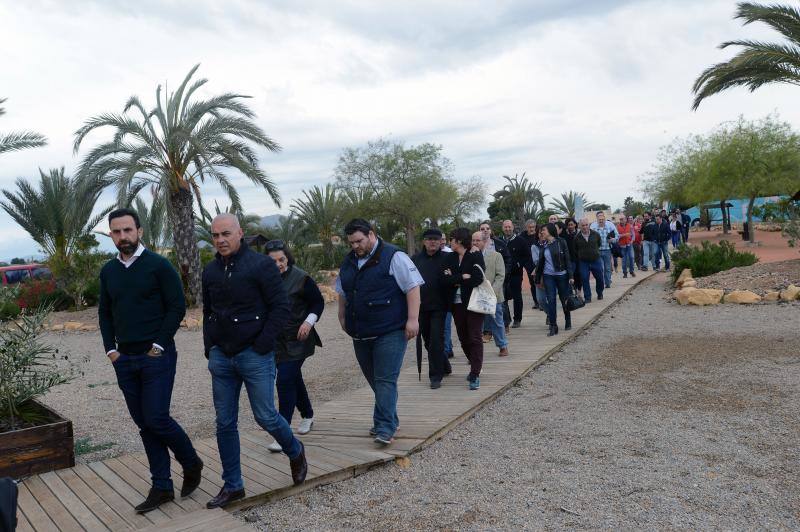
(245, 308)
(140, 309)
(587, 251)
(663, 234)
(520, 254)
(433, 305)
(648, 241)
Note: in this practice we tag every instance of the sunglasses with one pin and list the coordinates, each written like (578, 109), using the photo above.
(275, 245)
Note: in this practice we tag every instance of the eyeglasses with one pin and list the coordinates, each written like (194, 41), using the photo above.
(275, 245)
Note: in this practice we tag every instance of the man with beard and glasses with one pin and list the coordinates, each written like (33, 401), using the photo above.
(141, 307)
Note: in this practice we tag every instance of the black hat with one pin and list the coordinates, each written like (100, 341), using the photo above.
(432, 233)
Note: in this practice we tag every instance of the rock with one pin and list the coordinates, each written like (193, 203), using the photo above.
(190, 323)
(698, 296)
(742, 297)
(689, 283)
(57, 328)
(330, 274)
(791, 293)
(88, 328)
(403, 461)
(772, 296)
(685, 274)
(328, 294)
(73, 326)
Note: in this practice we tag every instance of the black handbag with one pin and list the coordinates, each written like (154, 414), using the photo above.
(573, 302)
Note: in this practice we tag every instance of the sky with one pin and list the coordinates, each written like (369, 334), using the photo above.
(579, 95)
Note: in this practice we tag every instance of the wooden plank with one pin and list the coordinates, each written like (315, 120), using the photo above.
(50, 504)
(33, 511)
(128, 493)
(99, 507)
(141, 486)
(143, 472)
(255, 481)
(215, 520)
(82, 514)
(22, 522)
(106, 492)
(203, 492)
(278, 461)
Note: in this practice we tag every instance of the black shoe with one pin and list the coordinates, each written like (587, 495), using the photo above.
(450, 354)
(599, 297)
(299, 466)
(643, 268)
(553, 330)
(536, 306)
(155, 499)
(435, 385)
(625, 275)
(448, 370)
(515, 325)
(567, 323)
(633, 274)
(224, 498)
(192, 478)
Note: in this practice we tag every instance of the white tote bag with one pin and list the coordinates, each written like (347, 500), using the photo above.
(482, 300)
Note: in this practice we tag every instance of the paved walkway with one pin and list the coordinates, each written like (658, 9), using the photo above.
(101, 495)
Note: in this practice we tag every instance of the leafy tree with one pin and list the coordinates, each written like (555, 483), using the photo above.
(632, 207)
(471, 196)
(76, 273)
(565, 205)
(404, 185)
(19, 140)
(177, 146)
(519, 199)
(57, 215)
(321, 211)
(17, 260)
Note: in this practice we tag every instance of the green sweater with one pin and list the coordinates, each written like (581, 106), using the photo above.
(141, 304)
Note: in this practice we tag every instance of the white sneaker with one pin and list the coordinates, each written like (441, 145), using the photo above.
(274, 447)
(305, 425)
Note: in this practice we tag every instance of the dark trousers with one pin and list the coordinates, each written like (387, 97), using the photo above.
(637, 254)
(533, 286)
(596, 268)
(469, 326)
(556, 285)
(431, 327)
(515, 294)
(292, 390)
(146, 382)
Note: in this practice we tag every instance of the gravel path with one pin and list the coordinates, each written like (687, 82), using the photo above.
(95, 405)
(659, 416)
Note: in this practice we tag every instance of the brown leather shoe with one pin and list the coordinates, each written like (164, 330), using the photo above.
(299, 466)
(504, 352)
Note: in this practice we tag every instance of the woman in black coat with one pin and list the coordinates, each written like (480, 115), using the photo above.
(463, 271)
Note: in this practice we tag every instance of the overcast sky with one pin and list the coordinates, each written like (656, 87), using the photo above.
(578, 94)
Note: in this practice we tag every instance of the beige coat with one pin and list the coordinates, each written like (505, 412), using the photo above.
(495, 272)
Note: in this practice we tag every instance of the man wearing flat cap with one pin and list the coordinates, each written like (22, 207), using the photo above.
(433, 304)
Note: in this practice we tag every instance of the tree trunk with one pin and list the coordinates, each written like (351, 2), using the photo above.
(725, 221)
(411, 243)
(186, 251)
(750, 219)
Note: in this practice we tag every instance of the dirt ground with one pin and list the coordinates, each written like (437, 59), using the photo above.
(657, 417)
(772, 247)
(759, 278)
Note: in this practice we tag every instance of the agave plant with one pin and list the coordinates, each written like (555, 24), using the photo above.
(177, 146)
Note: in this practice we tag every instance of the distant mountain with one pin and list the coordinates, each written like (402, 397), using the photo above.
(273, 220)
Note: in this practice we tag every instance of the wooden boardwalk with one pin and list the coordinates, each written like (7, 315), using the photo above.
(101, 495)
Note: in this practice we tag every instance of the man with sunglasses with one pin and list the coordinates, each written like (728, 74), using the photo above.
(379, 299)
(245, 308)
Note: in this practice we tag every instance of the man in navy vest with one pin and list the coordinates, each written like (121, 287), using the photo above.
(379, 298)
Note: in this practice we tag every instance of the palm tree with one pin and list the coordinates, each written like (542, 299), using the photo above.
(520, 197)
(321, 211)
(758, 63)
(566, 204)
(250, 224)
(177, 146)
(153, 220)
(58, 216)
(19, 140)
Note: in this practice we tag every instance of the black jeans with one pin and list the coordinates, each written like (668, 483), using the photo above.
(431, 327)
(515, 294)
(146, 382)
(292, 390)
(533, 285)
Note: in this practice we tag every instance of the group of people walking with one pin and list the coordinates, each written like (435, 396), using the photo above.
(259, 313)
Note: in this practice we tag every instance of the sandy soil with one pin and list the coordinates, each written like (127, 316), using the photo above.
(759, 278)
(772, 247)
(658, 417)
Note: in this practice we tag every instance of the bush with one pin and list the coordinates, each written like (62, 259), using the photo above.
(9, 310)
(709, 259)
(40, 293)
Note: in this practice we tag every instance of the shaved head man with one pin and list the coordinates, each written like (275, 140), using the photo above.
(226, 234)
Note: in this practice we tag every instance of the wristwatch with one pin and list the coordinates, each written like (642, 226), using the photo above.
(155, 351)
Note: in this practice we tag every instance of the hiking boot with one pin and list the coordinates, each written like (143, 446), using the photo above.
(155, 498)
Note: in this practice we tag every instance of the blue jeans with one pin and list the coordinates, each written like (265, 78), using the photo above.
(292, 390)
(498, 327)
(627, 259)
(557, 288)
(648, 253)
(676, 238)
(381, 360)
(596, 268)
(605, 256)
(257, 373)
(448, 341)
(146, 383)
(662, 248)
(541, 297)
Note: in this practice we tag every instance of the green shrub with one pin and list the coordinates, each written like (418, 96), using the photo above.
(9, 310)
(709, 259)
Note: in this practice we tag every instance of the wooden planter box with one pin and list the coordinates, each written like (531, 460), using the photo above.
(37, 449)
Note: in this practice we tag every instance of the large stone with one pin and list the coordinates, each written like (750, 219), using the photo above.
(772, 296)
(791, 293)
(689, 283)
(72, 326)
(685, 274)
(190, 323)
(699, 296)
(328, 294)
(742, 297)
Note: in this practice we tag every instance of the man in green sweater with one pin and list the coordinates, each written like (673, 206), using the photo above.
(141, 307)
